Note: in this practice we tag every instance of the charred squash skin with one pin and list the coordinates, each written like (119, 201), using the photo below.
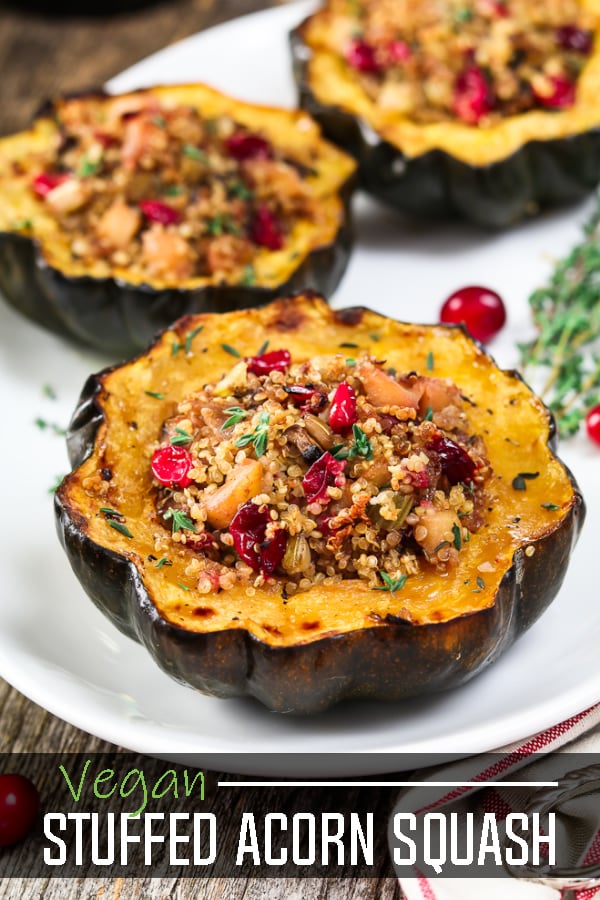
(438, 184)
(323, 645)
(120, 317)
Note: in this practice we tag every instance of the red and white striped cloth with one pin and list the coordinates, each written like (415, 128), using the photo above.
(579, 734)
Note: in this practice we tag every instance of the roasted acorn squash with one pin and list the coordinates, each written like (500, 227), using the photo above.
(304, 653)
(493, 175)
(106, 304)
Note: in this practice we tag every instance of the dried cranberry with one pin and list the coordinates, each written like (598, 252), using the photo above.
(398, 51)
(361, 56)
(480, 309)
(170, 466)
(497, 9)
(265, 229)
(456, 463)
(45, 182)
(248, 528)
(157, 211)
(19, 806)
(579, 40)
(473, 97)
(562, 95)
(300, 395)
(105, 139)
(342, 414)
(242, 146)
(273, 361)
(202, 543)
(326, 472)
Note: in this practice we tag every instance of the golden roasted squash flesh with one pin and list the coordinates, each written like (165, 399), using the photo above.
(529, 529)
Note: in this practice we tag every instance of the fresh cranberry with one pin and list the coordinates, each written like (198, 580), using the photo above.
(342, 414)
(19, 806)
(562, 95)
(398, 52)
(265, 229)
(326, 472)
(361, 56)
(248, 528)
(157, 211)
(473, 97)
(274, 361)
(480, 309)
(457, 465)
(592, 424)
(45, 182)
(570, 37)
(170, 466)
(242, 146)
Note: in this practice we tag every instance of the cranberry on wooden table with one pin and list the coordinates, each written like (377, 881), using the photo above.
(592, 424)
(19, 806)
(480, 309)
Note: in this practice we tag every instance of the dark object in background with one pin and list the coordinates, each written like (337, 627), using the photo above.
(79, 7)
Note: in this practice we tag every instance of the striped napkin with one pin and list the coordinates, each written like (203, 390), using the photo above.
(579, 734)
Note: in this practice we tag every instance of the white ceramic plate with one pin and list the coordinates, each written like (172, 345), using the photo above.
(59, 651)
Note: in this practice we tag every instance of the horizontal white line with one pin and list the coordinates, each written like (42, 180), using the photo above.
(387, 783)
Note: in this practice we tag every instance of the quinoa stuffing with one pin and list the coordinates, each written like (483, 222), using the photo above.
(168, 194)
(475, 61)
(318, 471)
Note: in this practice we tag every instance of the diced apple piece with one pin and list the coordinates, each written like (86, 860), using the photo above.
(242, 484)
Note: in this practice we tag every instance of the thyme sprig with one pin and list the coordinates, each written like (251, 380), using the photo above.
(566, 313)
(258, 437)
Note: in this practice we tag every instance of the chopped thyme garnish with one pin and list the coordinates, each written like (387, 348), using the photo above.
(236, 414)
(182, 586)
(259, 437)
(180, 521)
(240, 190)
(173, 190)
(551, 506)
(43, 425)
(120, 527)
(519, 483)
(57, 481)
(350, 361)
(22, 225)
(456, 531)
(362, 445)
(156, 394)
(190, 337)
(263, 348)
(390, 584)
(441, 546)
(49, 392)
(480, 583)
(428, 417)
(348, 344)
(375, 337)
(430, 361)
(109, 513)
(181, 438)
(231, 350)
(88, 168)
(340, 451)
(194, 152)
(163, 561)
(249, 276)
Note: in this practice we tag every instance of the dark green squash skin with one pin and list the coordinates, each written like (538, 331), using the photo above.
(391, 661)
(119, 318)
(436, 185)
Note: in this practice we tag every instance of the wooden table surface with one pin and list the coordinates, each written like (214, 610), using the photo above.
(41, 56)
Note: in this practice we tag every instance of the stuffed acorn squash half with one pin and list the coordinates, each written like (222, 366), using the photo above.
(304, 505)
(484, 109)
(120, 214)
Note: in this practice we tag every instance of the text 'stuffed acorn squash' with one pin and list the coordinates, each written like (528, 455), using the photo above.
(302, 653)
(120, 214)
(491, 174)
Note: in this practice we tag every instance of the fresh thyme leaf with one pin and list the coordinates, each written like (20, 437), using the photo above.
(480, 583)
(390, 584)
(362, 445)
(159, 121)
(236, 414)
(375, 337)
(240, 190)
(181, 438)
(108, 512)
(173, 190)
(193, 152)
(57, 481)
(566, 312)
(231, 350)
(161, 562)
(156, 394)
(441, 546)
(87, 167)
(190, 337)
(457, 536)
(430, 361)
(120, 527)
(259, 437)
(176, 347)
(249, 276)
(350, 361)
(263, 348)
(551, 506)
(348, 344)
(463, 15)
(43, 425)
(428, 417)
(519, 483)
(49, 392)
(21, 225)
(182, 586)
(180, 521)
(340, 451)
